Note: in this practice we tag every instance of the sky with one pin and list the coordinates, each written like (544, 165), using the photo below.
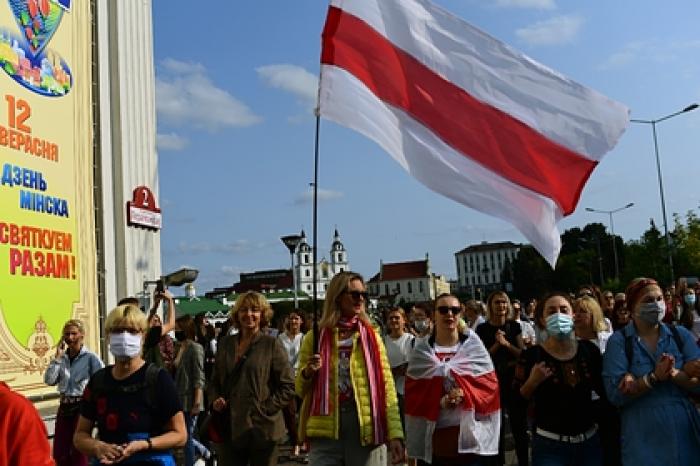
(236, 84)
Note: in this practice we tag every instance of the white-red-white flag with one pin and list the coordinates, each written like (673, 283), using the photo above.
(467, 115)
(478, 416)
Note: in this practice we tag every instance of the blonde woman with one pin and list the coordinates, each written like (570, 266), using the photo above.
(252, 382)
(589, 322)
(350, 408)
(70, 370)
(134, 405)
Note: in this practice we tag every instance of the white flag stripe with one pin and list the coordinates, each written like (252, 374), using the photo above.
(347, 101)
(568, 113)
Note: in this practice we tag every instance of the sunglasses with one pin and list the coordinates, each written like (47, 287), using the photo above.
(357, 294)
(445, 309)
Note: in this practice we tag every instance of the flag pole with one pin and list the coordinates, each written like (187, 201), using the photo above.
(317, 112)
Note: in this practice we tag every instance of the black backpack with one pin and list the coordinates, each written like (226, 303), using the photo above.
(98, 386)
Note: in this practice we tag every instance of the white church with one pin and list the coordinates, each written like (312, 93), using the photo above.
(326, 268)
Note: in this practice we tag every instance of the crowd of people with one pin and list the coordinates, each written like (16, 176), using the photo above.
(589, 378)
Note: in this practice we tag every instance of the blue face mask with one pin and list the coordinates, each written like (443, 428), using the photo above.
(560, 325)
(690, 299)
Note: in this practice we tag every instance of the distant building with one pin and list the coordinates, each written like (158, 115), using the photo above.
(406, 281)
(282, 280)
(480, 266)
(326, 269)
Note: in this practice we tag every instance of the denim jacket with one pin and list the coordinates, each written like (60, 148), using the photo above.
(72, 377)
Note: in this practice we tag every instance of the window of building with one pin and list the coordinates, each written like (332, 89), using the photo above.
(307, 273)
(410, 288)
(308, 287)
(398, 287)
(341, 269)
(420, 286)
(386, 289)
(306, 258)
(340, 257)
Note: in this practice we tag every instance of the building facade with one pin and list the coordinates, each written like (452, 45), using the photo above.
(325, 269)
(406, 282)
(480, 267)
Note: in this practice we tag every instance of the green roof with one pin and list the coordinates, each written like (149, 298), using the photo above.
(274, 296)
(185, 305)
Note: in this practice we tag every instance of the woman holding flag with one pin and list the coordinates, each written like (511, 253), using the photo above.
(349, 405)
(452, 403)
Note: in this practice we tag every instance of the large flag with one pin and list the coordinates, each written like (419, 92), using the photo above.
(479, 415)
(467, 115)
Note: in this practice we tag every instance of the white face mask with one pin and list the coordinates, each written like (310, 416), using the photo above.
(652, 313)
(125, 345)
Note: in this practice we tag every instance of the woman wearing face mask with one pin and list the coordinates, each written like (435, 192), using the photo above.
(189, 381)
(71, 368)
(690, 318)
(648, 369)
(134, 405)
(350, 409)
(420, 317)
(560, 375)
(452, 403)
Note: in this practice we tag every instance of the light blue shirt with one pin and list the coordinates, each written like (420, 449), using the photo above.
(660, 427)
(72, 377)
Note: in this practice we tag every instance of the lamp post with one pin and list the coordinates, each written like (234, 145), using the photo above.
(292, 241)
(658, 170)
(612, 230)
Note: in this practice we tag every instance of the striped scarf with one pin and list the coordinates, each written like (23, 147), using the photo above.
(320, 397)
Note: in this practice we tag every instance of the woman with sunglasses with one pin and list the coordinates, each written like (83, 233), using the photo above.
(349, 409)
(133, 404)
(649, 368)
(451, 394)
(561, 376)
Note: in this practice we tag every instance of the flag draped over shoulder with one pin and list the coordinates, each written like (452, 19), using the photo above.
(468, 116)
(472, 371)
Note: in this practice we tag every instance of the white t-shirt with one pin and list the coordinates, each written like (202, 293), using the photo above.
(397, 352)
(291, 346)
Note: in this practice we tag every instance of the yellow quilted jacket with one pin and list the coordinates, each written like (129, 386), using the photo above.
(328, 426)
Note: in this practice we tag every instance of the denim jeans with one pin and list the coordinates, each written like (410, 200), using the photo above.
(547, 452)
(193, 446)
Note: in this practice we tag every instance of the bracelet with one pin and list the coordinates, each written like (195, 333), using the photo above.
(150, 444)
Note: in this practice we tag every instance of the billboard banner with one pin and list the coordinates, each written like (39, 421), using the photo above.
(47, 235)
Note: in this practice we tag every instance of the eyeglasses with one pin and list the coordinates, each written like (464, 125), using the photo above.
(355, 295)
(445, 309)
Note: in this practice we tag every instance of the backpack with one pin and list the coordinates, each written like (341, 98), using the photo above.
(98, 386)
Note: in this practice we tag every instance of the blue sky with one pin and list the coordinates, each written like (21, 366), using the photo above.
(236, 85)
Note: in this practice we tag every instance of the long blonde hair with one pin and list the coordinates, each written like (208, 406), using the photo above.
(338, 285)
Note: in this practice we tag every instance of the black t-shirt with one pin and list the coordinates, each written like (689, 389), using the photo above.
(119, 414)
(564, 401)
(503, 360)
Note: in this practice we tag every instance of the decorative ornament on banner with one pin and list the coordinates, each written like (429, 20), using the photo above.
(23, 52)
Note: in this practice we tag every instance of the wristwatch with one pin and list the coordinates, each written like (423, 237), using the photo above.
(150, 444)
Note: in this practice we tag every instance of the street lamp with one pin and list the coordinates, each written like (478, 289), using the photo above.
(658, 170)
(292, 241)
(612, 230)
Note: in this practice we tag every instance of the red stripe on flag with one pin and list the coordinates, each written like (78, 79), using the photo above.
(477, 130)
(484, 397)
(422, 397)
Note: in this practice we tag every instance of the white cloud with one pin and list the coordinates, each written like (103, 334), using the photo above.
(293, 79)
(537, 4)
(239, 246)
(554, 31)
(185, 95)
(170, 141)
(651, 51)
(323, 195)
